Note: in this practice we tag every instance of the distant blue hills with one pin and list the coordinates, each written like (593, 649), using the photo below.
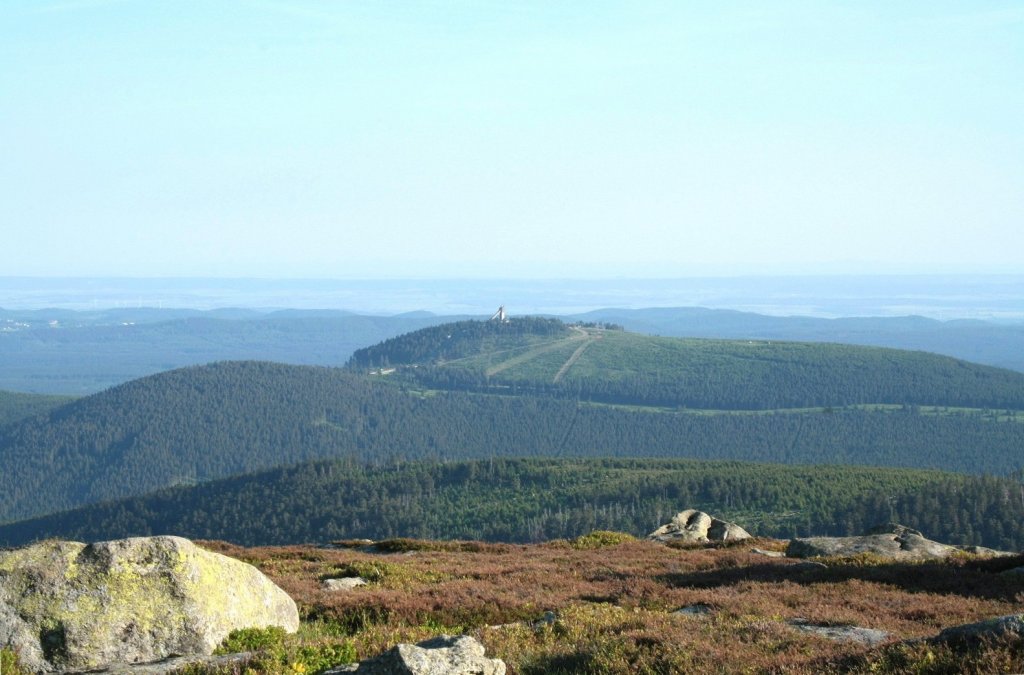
(60, 351)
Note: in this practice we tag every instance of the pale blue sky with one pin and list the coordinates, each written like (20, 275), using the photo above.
(280, 138)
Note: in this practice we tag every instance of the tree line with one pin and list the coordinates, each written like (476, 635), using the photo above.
(526, 500)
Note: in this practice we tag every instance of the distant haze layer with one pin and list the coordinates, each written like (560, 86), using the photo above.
(989, 297)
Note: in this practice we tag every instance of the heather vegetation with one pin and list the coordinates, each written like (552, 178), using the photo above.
(612, 608)
(534, 500)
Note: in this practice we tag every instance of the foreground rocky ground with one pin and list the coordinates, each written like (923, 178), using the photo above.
(608, 603)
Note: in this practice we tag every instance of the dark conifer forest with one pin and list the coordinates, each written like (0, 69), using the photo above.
(542, 390)
(524, 500)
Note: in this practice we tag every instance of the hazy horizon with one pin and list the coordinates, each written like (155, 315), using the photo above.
(945, 297)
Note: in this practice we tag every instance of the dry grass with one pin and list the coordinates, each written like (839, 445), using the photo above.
(614, 602)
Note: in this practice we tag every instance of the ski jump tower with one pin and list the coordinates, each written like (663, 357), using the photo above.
(500, 315)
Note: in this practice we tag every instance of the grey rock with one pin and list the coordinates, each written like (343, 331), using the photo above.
(443, 655)
(1015, 570)
(697, 526)
(770, 554)
(344, 583)
(864, 636)
(1012, 624)
(891, 541)
(699, 609)
(549, 619)
(807, 566)
(66, 606)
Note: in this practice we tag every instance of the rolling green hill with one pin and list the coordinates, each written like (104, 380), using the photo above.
(205, 423)
(544, 356)
(534, 500)
(992, 344)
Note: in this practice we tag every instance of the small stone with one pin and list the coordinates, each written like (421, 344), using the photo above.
(698, 609)
(770, 554)
(344, 583)
(443, 655)
(864, 636)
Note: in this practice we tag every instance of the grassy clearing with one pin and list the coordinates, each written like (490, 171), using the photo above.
(534, 362)
(986, 414)
(605, 603)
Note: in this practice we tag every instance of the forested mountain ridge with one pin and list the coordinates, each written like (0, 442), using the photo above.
(591, 363)
(539, 499)
(208, 422)
(16, 406)
(460, 339)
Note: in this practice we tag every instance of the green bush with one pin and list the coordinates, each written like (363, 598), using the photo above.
(278, 652)
(315, 659)
(600, 539)
(252, 640)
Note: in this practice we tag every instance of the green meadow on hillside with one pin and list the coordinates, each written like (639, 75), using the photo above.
(544, 356)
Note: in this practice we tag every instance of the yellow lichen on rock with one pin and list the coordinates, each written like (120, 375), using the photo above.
(72, 606)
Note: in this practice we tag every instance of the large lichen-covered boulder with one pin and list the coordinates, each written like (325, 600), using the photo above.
(697, 526)
(71, 606)
(891, 541)
(443, 655)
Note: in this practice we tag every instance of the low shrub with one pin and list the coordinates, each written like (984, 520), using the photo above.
(277, 652)
(252, 640)
(386, 574)
(600, 539)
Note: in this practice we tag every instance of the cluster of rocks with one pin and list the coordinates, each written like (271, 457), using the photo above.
(698, 527)
(890, 541)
